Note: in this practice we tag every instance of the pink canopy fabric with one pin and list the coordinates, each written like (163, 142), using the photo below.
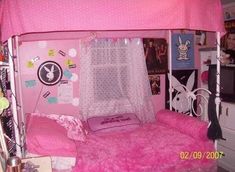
(32, 16)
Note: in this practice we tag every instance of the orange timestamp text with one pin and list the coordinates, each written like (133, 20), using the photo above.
(186, 155)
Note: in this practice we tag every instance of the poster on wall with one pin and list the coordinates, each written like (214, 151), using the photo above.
(65, 93)
(155, 84)
(182, 51)
(188, 78)
(229, 12)
(228, 40)
(200, 37)
(156, 55)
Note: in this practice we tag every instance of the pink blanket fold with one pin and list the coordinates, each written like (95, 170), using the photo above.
(183, 123)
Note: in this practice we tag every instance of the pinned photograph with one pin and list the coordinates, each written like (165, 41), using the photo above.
(200, 37)
(155, 84)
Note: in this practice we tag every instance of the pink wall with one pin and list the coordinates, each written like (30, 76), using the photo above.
(33, 90)
(210, 42)
(33, 99)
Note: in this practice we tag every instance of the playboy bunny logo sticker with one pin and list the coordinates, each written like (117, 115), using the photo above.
(187, 98)
(49, 73)
(181, 102)
(184, 83)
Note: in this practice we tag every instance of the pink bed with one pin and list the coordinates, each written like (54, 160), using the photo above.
(151, 147)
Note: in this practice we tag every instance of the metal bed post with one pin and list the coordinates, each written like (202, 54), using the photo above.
(170, 67)
(217, 99)
(2, 137)
(13, 96)
(19, 91)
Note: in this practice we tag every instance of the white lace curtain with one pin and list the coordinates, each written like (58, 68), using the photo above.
(113, 79)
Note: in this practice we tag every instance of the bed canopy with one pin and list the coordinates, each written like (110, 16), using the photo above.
(22, 16)
(122, 18)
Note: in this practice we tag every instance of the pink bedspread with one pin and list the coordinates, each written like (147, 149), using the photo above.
(152, 147)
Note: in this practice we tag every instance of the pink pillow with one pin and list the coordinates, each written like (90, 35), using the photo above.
(72, 124)
(119, 122)
(185, 124)
(46, 137)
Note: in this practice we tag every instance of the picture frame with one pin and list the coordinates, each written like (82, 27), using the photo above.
(229, 11)
(228, 40)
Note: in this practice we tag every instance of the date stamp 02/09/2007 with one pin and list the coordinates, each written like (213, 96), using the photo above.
(199, 155)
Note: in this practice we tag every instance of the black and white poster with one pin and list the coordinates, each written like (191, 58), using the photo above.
(183, 82)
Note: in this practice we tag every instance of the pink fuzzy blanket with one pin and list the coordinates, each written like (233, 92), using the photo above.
(156, 147)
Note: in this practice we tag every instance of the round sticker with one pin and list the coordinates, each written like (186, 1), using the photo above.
(50, 73)
(42, 44)
(72, 52)
(74, 77)
(75, 102)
